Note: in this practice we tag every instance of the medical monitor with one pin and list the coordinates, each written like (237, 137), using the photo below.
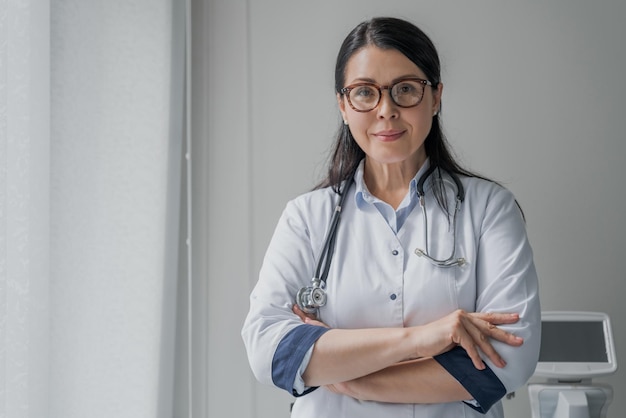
(575, 345)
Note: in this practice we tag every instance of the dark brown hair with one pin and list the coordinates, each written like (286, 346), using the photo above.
(403, 36)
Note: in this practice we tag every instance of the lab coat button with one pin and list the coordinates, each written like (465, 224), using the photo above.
(393, 296)
(395, 252)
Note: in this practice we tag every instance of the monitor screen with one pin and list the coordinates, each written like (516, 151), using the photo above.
(575, 345)
(569, 341)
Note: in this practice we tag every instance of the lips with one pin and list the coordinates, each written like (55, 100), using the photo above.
(389, 135)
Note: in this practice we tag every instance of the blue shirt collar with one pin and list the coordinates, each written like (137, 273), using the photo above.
(363, 197)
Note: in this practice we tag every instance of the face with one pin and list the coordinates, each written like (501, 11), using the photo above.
(389, 134)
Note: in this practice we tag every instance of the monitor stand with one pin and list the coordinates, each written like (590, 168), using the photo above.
(557, 399)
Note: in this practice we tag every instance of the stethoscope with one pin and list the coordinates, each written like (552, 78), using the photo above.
(460, 197)
(313, 297)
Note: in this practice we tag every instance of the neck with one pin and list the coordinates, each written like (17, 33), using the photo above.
(390, 182)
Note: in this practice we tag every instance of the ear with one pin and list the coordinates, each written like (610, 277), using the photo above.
(342, 106)
(437, 98)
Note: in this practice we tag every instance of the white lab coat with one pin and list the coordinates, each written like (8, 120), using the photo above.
(376, 280)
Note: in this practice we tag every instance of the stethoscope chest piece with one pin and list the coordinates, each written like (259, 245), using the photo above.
(311, 298)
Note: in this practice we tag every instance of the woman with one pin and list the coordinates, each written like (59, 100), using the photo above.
(425, 311)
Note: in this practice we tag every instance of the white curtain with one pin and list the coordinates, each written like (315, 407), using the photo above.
(24, 208)
(92, 144)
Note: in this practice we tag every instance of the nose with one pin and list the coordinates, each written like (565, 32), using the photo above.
(387, 108)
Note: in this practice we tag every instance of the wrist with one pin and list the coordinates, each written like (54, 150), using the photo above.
(413, 341)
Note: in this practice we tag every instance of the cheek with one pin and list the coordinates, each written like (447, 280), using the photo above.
(359, 125)
(422, 120)
(360, 130)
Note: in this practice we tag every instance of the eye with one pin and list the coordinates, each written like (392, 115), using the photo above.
(364, 92)
(405, 88)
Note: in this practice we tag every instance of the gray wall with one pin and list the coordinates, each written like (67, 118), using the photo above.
(534, 97)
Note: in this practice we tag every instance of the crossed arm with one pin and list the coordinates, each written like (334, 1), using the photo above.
(397, 365)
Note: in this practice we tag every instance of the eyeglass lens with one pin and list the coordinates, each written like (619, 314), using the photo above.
(405, 93)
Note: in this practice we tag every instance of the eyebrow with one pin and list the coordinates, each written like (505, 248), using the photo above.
(371, 80)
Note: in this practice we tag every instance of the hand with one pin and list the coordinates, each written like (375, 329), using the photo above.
(470, 331)
(343, 388)
(310, 319)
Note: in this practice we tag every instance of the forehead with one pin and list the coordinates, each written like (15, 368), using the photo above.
(380, 65)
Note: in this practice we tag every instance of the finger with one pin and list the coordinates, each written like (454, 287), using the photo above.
(492, 331)
(496, 318)
(486, 322)
(491, 352)
(465, 340)
(310, 319)
(481, 340)
(331, 388)
(303, 316)
(342, 388)
(296, 309)
(503, 336)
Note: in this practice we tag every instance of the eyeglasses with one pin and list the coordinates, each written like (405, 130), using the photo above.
(407, 92)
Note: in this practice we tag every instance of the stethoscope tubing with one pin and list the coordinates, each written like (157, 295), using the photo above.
(329, 245)
(304, 297)
(451, 261)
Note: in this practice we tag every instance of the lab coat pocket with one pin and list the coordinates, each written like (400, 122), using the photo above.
(431, 292)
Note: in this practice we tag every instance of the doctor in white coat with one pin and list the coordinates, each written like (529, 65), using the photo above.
(430, 305)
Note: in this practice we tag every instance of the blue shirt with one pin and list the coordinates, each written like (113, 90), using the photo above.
(395, 218)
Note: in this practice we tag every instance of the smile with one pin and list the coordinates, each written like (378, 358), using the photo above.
(389, 136)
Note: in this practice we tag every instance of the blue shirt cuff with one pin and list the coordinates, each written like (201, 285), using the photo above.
(483, 385)
(289, 355)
